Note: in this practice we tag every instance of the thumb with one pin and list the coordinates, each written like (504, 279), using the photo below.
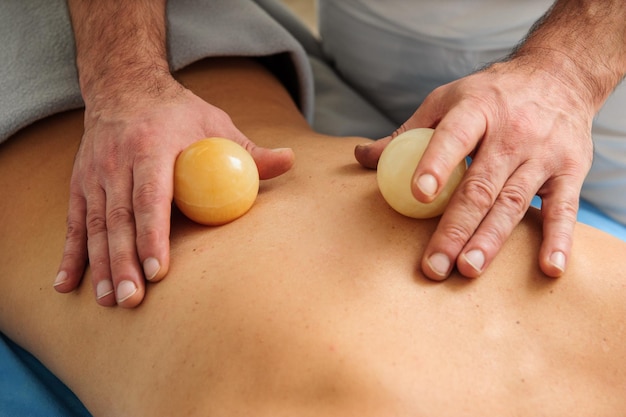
(272, 162)
(368, 155)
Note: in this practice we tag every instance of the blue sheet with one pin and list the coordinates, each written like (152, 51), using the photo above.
(590, 215)
(28, 389)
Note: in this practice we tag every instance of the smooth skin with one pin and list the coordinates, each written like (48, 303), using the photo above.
(527, 123)
(313, 302)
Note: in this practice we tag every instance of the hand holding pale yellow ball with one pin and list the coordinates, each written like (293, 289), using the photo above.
(396, 166)
(215, 181)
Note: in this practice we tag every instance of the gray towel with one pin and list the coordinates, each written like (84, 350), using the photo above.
(38, 76)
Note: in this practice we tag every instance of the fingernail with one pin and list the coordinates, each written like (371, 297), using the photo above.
(440, 264)
(557, 259)
(151, 268)
(60, 279)
(125, 290)
(104, 288)
(476, 259)
(427, 184)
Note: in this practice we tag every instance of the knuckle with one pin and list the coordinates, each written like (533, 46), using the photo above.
(521, 124)
(563, 209)
(112, 161)
(109, 164)
(562, 235)
(458, 135)
(74, 255)
(75, 229)
(120, 260)
(82, 186)
(95, 224)
(493, 236)
(148, 236)
(121, 257)
(577, 168)
(119, 215)
(147, 195)
(479, 192)
(515, 199)
(456, 234)
(220, 118)
(399, 131)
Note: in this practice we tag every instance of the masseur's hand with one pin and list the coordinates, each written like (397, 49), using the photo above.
(121, 187)
(137, 120)
(528, 133)
(527, 123)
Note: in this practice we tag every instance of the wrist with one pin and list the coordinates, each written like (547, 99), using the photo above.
(124, 58)
(127, 83)
(580, 44)
(569, 74)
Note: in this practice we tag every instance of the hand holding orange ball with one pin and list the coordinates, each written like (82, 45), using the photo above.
(215, 181)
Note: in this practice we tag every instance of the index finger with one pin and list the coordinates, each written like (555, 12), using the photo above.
(455, 137)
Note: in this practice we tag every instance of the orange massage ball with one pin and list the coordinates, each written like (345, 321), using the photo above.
(215, 181)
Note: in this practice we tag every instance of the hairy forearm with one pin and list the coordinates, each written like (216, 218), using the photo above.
(120, 46)
(583, 42)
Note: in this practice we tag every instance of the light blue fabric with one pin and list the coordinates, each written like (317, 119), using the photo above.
(591, 215)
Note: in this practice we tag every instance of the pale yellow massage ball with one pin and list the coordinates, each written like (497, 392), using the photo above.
(396, 166)
(215, 181)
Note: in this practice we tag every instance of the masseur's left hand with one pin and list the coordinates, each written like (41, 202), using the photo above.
(527, 124)
(529, 133)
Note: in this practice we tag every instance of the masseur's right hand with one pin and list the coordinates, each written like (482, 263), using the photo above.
(122, 185)
(138, 118)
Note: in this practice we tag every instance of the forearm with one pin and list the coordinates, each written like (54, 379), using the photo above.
(582, 42)
(120, 46)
